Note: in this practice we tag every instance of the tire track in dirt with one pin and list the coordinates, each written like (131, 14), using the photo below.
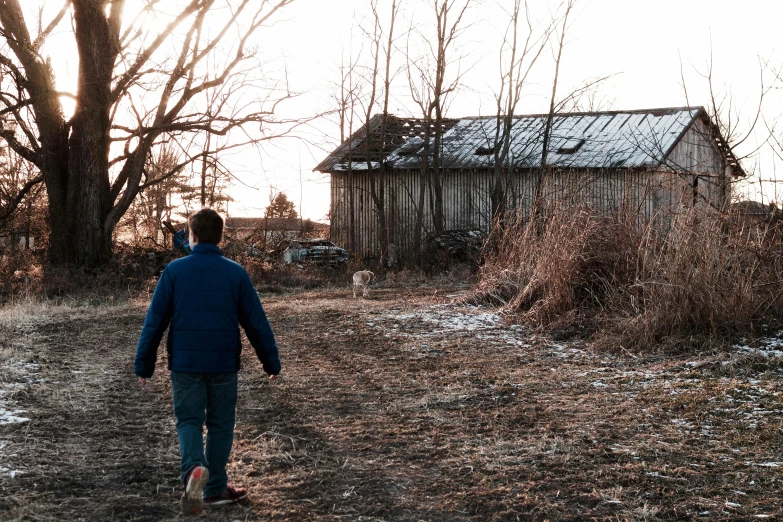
(320, 424)
(359, 402)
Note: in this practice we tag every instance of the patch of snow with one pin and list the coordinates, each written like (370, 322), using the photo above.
(768, 347)
(11, 416)
(452, 319)
(683, 424)
(598, 384)
(10, 472)
(733, 504)
(656, 474)
(24, 374)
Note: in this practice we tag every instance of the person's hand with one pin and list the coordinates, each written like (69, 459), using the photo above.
(142, 381)
(273, 378)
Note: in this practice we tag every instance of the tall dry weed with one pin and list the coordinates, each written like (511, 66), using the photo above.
(694, 278)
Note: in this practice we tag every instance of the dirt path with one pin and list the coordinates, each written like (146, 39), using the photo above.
(405, 406)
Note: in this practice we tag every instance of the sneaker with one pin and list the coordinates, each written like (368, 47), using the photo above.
(229, 496)
(195, 480)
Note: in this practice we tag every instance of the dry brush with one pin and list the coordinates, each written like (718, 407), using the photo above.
(695, 279)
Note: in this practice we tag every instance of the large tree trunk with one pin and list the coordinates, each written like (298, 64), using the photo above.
(88, 194)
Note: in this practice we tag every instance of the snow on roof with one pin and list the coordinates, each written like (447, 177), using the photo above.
(624, 139)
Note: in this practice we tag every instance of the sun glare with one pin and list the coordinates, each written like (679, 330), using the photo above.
(68, 104)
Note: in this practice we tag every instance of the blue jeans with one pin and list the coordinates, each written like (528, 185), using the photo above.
(210, 398)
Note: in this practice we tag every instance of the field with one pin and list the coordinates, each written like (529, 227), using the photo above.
(405, 406)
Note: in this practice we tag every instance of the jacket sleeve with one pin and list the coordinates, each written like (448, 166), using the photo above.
(157, 320)
(253, 320)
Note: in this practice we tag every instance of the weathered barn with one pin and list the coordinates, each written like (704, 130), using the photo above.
(654, 161)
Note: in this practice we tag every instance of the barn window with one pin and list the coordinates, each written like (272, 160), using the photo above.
(485, 151)
(570, 146)
(619, 163)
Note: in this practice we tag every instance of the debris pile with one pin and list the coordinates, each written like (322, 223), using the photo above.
(461, 246)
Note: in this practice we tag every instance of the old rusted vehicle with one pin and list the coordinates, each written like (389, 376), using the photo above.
(311, 251)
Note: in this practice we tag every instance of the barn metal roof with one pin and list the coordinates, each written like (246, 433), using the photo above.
(621, 139)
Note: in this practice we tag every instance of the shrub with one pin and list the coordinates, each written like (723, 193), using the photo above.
(692, 279)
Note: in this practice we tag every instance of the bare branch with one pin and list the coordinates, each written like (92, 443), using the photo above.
(125, 80)
(44, 34)
(14, 203)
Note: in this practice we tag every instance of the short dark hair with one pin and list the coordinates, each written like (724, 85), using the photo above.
(207, 226)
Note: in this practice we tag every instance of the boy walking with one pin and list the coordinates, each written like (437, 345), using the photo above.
(205, 297)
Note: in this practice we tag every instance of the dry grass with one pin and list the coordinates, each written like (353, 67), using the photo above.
(404, 406)
(697, 283)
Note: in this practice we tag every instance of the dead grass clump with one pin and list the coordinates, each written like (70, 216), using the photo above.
(699, 283)
(563, 268)
(280, 278)
(684, 282)
(21, 274)
(25, 310)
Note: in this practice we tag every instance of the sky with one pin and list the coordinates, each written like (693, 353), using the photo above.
(646, 48)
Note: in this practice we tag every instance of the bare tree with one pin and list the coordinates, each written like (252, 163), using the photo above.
(124, 70)
(431, 81)
(523, 52)
(553, 97)
(377, 183)
(422, 97)
(732, 133)
(447, 33)
(346, 94)
(353, 92)
(21, 198)
(547, 131)
(156, 203)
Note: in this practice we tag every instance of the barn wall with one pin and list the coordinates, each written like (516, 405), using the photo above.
(467, 201)
(401, 203)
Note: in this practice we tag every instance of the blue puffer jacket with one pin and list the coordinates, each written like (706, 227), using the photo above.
(205, 297)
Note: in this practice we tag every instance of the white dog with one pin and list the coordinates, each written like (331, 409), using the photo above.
(363, 278)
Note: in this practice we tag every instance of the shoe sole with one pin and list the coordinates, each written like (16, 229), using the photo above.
(225, 502)
(192, 501)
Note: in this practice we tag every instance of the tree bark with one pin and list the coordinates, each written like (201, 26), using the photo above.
(424, 181)
(88, 194)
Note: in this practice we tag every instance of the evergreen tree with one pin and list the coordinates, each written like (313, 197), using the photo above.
(281, 207)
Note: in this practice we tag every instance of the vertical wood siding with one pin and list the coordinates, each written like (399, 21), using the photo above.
(698, 161)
